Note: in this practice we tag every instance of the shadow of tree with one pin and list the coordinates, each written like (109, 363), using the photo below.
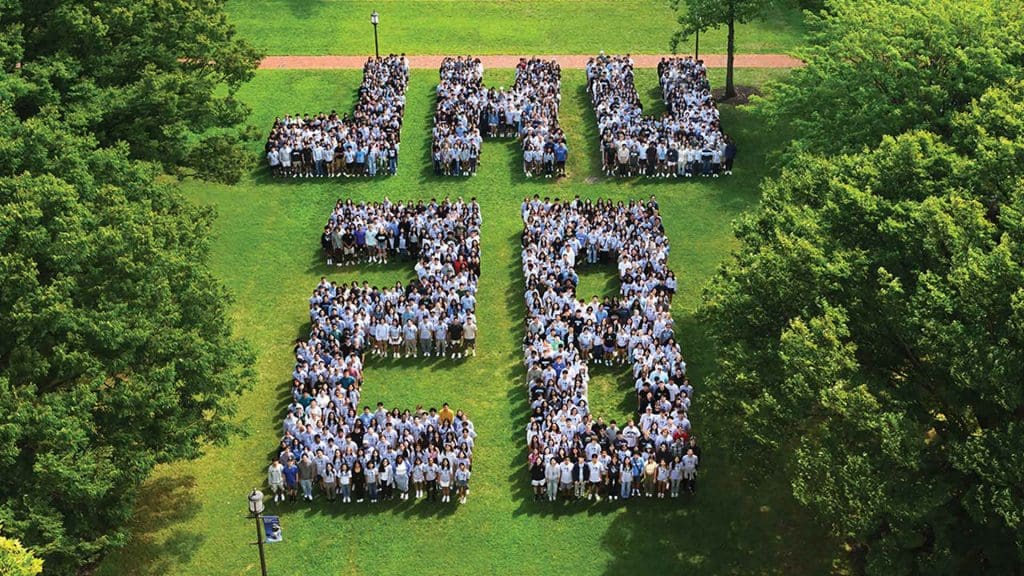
(721, 519)
(162, 502)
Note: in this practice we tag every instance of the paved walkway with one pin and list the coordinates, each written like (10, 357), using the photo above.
(510, 61)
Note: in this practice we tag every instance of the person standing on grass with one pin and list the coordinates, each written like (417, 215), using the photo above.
(595, 476)
(469, 334)
(307, 473)
(537, 475)
(612, 476)
(462, 481)
(401, 477)
(345, 483)
(371, 473)
(676, 475)
(358, 481)
(409, 339)
(329, 481)
(551, 475)
(455, 337)
(650, 475)
(689, 464)
(430, 474)
(275, 478)
(426, 334)
(579, 478)
(418, 476)
(446, 415)
(441, 337)
(291, 479)
(626, 476)
(444, 480)
(386, 482)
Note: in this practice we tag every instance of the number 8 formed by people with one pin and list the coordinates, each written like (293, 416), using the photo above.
(335, 445)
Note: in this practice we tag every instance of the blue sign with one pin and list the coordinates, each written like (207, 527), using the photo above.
(272, 528)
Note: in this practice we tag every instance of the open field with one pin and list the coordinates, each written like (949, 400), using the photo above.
(491, 27)
(191, 516)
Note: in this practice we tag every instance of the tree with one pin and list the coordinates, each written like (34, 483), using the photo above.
(871, 335)
(700, 15)
(117, 352)
(877, 67)
(15, 560)
(159, 75)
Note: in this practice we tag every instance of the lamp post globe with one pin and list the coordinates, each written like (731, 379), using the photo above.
(256, 502)
(374, 18)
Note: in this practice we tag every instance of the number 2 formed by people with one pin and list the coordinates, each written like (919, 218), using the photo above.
(383, 455)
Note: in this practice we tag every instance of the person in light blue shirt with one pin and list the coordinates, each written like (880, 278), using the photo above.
(462, 481)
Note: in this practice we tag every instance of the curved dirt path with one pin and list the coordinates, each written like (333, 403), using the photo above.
(510, 61)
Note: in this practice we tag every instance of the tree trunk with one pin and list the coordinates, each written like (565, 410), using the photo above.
(730, 88)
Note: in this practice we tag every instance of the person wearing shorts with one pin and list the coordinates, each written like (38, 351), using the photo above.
(444, 480)
(537, 477)
(462, 481)
(275, 478)
(469, 335)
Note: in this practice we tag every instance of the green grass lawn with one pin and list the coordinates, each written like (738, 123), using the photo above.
(191, 516)
(490, 27)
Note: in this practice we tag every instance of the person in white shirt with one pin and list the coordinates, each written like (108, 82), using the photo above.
(595, 478)
(275, 478)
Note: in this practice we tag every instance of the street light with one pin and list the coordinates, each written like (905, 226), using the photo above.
(256, 509)
(375, 19)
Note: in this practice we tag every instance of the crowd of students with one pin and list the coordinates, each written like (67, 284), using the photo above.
(467, 111)
(572, 452)
(685, 141)
(365, 143)
(330, 442)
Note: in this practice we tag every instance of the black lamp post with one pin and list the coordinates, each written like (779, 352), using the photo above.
(256, 509)
(696, 46)
(375, 19)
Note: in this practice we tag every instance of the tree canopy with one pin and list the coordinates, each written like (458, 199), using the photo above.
(875, 67)
(117, 352)
(871, 324)
(159, 75)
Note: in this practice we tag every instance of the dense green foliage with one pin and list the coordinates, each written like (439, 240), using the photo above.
(698, 16)
(875, 67)
(871, 326)
(148, 73)
(116, 353)
(15, 560)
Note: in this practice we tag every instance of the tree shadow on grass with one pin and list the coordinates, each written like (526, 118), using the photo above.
(161, 503)
(726, 528)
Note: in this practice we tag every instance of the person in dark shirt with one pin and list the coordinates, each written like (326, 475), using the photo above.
(291, 480)
(455, 339)
(730, 155)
